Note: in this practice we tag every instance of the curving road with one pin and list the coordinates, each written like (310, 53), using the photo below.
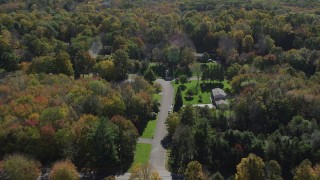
(158, 153)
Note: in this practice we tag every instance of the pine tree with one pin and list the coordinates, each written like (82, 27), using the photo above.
(178, 101)
(150, 76)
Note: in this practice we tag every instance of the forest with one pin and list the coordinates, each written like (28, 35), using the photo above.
(66, 101)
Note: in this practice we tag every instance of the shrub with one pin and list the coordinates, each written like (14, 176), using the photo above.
(183, 79)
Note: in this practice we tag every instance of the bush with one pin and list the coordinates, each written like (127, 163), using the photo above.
(157, 87)
(189, 98)
(182, 87)
(183, 79)
(191, 92)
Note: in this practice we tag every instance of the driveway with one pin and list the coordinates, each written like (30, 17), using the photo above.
(158, 153)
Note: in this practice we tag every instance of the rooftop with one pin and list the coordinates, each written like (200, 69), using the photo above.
(218, 92)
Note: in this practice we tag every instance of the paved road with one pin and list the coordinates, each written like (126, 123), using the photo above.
(158, 153)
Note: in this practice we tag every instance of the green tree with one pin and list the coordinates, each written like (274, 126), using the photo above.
(250, 168)
(104, 146)
(178, 103)
(126, 140)
(188, 115)
(247, 43)
(121, 59)
(187, 56)
(65, 170)
(233, 70)
(172, 123)
(150, 76)
(63, 64)
(194, 171)
(305, 171)
(105, 69)
(17, 167)
(273, 170)
(182, 149)
(183, 79)
(196, 68)
(83, 63)
(8, 60)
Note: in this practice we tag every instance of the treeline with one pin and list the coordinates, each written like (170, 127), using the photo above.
(211, 138)
(89, 121)
(167, 33)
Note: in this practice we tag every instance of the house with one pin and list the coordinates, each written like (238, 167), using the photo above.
(218, 98)
(218, 94)
(198, 56)
(221, 104)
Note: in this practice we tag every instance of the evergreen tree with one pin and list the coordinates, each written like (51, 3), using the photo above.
(178, 101)
(150, 75)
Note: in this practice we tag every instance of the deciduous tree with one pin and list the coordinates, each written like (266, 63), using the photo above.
(17, 167)
(194, 171)
(144, 172)
(250, 168)
(64, 170)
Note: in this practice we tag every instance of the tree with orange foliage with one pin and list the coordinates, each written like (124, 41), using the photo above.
(64, 170)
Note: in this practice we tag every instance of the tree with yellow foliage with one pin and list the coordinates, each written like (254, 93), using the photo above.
(194, 171)
(305, 171)
(144, 172)
(250, 168)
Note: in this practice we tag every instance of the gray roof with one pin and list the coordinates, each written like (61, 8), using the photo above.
(218, 92)
(221, 102)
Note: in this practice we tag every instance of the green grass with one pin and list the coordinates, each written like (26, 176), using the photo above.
(149, 130)
(192, 85)
(141, 155)
(205, 94)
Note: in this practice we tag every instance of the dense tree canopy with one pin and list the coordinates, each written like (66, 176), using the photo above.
(268, 51)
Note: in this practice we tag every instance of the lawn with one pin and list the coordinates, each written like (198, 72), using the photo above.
(204, 89)
(141, 155)
(149, 130)
(143, 151)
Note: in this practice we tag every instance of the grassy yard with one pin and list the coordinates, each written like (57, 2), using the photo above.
(149, 130)
(204, 89)
(151, 126)
(141, 155)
